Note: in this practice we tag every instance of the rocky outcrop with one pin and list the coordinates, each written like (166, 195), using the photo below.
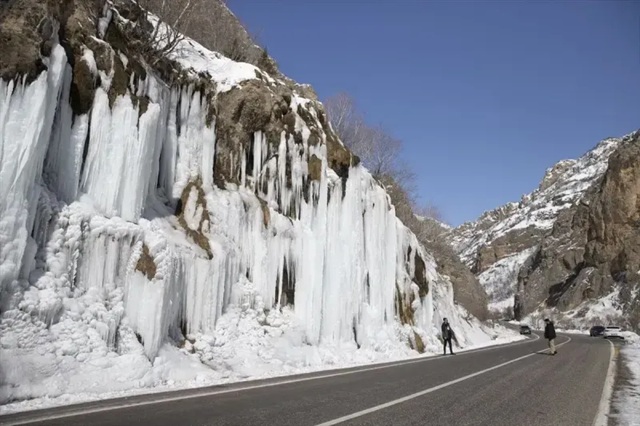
(466, 288)
(504, 246)
(571, 242)
(25, 31)
(594, 248)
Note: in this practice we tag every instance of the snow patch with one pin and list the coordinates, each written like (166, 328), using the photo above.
(500, 281)
(604, 311)
(626, 400)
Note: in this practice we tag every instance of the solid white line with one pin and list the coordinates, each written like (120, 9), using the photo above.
(426, 391)
(602, 417)
(89, 410)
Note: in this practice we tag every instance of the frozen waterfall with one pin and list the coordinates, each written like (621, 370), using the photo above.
(87, 221)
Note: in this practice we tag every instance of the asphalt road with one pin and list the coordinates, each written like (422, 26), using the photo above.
(506, 385)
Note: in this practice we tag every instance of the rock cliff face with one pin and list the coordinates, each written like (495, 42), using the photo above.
(569, 244)
(155, 199)
(467, 289)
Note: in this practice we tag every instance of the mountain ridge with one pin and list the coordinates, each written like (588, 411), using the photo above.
(507, 246)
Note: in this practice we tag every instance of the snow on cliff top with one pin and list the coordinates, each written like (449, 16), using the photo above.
(197, 59)
(225, 72)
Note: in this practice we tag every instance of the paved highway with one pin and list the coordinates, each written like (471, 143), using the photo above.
(516, 384)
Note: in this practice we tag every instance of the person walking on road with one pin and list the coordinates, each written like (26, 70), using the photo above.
(550, 335)
(447, 335)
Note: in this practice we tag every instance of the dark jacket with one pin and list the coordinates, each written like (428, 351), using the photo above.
(549, 331)
(447, 332)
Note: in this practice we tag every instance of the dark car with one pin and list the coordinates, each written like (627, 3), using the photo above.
(596, 330)
(525, 329)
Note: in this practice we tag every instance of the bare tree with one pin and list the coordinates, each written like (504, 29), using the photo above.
(378, 150)
(213, 25)
(342, 113)
(349, 124)
(173, 19)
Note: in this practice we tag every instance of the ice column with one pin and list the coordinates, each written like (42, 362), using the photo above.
(26, 119)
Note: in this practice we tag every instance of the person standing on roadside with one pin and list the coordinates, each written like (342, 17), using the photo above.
(447, 335)
(550, 335)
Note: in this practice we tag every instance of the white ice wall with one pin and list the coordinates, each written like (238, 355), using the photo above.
(26, 121)
(344, 249)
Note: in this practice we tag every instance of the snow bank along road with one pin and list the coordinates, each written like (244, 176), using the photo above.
(506, 385)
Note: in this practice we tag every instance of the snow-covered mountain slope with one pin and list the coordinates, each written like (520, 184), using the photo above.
(562, 186)
(189, 222)
(548, 250)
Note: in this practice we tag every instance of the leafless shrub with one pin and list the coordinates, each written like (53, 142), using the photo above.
(378, 149)
(380, 152)
(174, 17)
(212, 24)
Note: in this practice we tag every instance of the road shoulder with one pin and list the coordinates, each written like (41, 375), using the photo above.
(625, 402)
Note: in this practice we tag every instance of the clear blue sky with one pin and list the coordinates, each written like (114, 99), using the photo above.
(485, 95)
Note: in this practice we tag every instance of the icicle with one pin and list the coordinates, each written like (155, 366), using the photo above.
(64, 157)
(26, 120)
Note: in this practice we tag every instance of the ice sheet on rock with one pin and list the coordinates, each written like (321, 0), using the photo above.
(120, 155)
(64, 156)
(283, 273)
(26, 118)
(188, 148)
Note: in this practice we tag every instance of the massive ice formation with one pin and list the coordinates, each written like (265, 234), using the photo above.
(111, 223)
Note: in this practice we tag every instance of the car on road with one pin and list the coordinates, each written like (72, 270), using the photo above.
(596, 330)
(612, 331)
(525, 329)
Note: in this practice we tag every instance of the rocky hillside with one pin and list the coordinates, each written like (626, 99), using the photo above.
(568, 244)
(432, 234)
(467, 289)
(171, 216)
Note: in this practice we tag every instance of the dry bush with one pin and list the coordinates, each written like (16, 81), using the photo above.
(176, 15)
(212, 24)
(377, 149)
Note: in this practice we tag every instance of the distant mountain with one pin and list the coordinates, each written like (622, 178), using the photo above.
(569, 243)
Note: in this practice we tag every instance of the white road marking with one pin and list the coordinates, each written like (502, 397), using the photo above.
(90, 410)
(602, 418)
(432, 389)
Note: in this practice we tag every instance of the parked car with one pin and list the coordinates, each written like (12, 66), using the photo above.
(525, 329)
(596, 330)
(613, 331)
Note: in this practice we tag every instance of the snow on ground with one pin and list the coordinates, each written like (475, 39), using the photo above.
(501, 306)
(501, 279)
(246, 346)
(626, 399)
(604, 311)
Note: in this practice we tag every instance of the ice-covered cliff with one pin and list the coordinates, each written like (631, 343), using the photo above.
(191, 221)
